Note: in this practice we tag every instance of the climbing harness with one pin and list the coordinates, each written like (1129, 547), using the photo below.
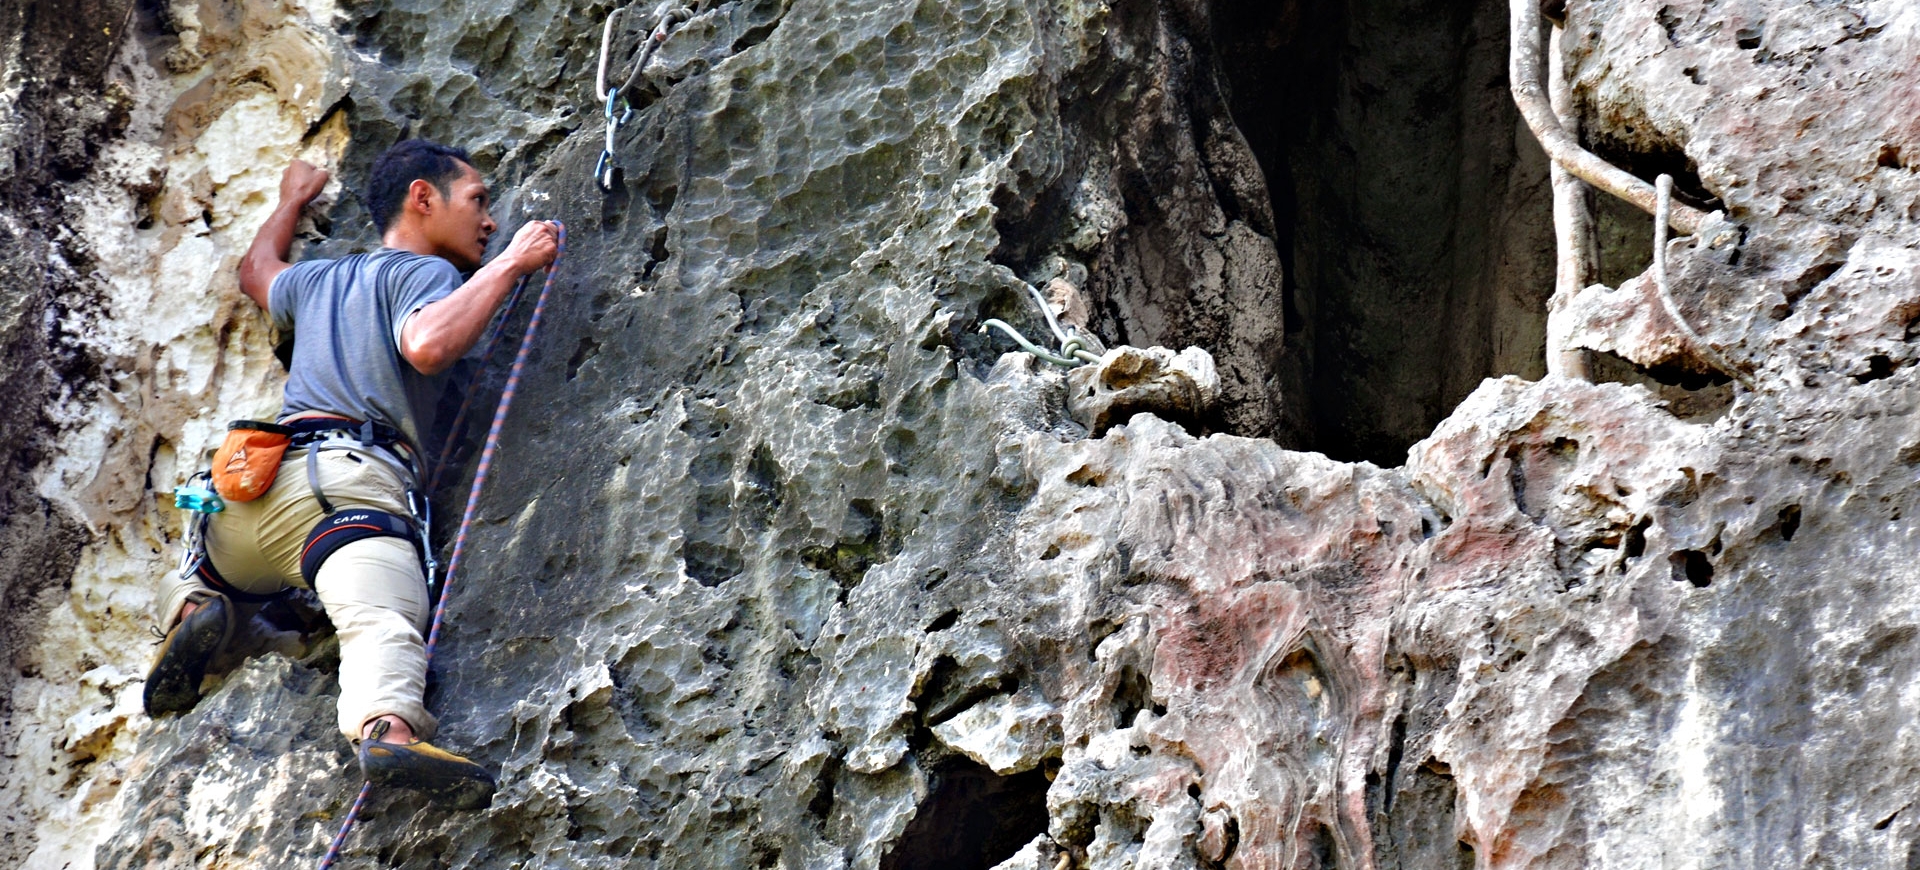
(1663, 192)
(466, 517)
(202, 495)
(1075, 348)
(619, 109)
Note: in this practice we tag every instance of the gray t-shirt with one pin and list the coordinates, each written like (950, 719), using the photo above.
(346, 315)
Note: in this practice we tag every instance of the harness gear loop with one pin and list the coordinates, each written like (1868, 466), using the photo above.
(473, 504)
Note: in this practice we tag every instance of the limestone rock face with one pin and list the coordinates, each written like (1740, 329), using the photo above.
(1129, 380)
(785, 564)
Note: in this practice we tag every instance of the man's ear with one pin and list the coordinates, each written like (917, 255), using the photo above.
(422, 196)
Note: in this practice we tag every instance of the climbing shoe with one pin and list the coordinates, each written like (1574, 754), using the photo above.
(173, 685)
(442, 776)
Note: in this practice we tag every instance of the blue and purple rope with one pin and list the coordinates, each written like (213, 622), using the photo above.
(493, 441)
(473, 504)
(466, 401)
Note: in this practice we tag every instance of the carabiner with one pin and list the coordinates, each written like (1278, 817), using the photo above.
(603, 172)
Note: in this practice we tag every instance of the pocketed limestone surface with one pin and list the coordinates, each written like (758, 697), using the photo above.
(784, 563)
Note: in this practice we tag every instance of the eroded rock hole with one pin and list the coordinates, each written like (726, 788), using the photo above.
(1789, 521)
(972, 820)
(951, 689)
(1633, 544)
(1425, 802)
(1414, 233)
(1326, 853)
(1879, 366)
(1132, 694)
(1692, 566)
(1696, 397)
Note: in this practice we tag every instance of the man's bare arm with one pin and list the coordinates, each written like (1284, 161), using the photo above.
(436, 336)
(267, 256)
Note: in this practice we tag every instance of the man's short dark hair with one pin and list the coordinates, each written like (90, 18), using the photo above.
(397, 167)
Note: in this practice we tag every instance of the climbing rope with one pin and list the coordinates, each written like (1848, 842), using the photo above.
(1663, 201)
(619, 109)
(473, 389)
(473, 504)
(493, 440)
(1075, 348)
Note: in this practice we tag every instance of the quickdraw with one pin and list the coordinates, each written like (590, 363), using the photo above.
(619, 109)
(604, 169)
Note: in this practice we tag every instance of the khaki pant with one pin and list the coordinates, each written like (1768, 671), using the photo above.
(373, 589)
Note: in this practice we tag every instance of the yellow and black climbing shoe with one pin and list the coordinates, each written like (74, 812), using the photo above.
(173, 685)
(445, 778)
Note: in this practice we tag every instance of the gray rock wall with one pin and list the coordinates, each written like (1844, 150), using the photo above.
(784, 564)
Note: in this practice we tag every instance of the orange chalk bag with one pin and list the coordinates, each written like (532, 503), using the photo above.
(248, 460)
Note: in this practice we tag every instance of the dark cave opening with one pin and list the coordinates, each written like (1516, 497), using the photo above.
(1411, 207)
(973, 819)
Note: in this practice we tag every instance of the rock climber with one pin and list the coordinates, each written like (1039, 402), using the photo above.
(374, 334)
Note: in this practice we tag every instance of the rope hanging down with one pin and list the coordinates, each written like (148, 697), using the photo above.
(1663, 190)
(619, 109)
(466, 401)
(1074, 347)
(473, 504)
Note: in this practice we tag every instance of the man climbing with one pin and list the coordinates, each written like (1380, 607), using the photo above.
(373, 335)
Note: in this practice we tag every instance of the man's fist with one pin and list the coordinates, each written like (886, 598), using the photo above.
(533, 247)
(301, 182)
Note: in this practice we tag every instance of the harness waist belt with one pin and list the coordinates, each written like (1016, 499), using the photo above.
(307, 430)
(315, 434)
